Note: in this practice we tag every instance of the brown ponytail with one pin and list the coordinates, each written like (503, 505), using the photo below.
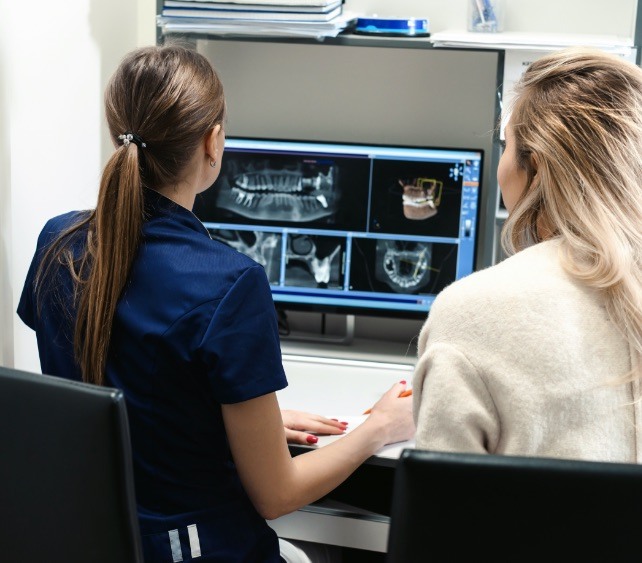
(167, 98)
(112, 242)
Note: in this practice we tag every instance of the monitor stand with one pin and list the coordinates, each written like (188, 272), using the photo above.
(323, 337)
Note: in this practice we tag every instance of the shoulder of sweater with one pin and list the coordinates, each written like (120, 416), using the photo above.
(536, 268)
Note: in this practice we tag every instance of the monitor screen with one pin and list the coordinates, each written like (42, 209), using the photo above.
(349, 228)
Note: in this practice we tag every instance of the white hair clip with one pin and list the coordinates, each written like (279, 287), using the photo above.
(127, 138)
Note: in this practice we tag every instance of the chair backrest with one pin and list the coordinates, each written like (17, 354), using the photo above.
(468, 507)
(66, 477)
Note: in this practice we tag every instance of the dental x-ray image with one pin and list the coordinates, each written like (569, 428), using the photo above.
(280, 188)
(261, 246)
(409, 198)
(314, 261)
(288, 189)
(404, 267)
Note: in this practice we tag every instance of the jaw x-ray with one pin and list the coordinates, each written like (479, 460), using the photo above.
(278, 189)
(404, 266)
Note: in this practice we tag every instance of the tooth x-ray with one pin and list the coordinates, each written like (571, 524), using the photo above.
(346, 227)
(278, 188)
(314, 261)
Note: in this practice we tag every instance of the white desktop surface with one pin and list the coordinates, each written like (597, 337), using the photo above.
(342, 389)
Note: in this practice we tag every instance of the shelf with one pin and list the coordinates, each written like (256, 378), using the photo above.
(343, 39)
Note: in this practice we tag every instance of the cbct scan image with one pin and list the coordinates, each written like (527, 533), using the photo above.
(421, 197)
(416, 198)
(297, 190)
(314, 261)
(404, 267)
(280, 189)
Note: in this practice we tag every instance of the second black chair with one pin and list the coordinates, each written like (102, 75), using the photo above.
(467, 507)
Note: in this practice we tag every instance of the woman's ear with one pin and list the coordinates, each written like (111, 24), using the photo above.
(211, 142)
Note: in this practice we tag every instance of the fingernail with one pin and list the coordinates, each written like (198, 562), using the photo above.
(403, 382)
(345, 423)
(312, 439)
(335, 419)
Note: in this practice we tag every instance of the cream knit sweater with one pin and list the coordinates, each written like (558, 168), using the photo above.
(518, 359)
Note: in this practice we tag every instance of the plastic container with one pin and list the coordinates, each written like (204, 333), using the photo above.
(403, 27)
(486, 16)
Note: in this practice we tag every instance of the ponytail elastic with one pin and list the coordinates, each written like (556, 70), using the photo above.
(127, 138)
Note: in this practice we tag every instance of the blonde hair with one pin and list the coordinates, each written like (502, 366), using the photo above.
(169, 97)
(577, 127)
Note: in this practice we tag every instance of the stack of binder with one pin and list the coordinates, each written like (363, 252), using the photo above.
(316, 18)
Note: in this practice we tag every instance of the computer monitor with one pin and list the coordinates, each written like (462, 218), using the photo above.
(363, 229)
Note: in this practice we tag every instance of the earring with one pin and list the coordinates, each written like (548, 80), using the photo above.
(213, 163)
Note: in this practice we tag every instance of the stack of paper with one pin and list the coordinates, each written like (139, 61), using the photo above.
(316, 18)
(529, 41)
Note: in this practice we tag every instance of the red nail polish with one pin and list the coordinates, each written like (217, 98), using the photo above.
(312, 439)
(345, 423)
(403, 382)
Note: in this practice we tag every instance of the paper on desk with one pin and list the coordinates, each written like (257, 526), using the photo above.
(390, 451)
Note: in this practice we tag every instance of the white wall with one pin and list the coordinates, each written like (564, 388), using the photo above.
(56, 59)
(6, 325)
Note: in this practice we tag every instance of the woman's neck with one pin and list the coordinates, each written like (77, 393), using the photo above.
(181, 195)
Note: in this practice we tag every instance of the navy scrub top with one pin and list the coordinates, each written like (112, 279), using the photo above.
(195, 328)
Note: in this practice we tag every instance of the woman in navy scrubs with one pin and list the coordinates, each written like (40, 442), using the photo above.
(136, 295)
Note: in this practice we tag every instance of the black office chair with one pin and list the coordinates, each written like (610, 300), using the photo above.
(66, 481)
(467, 507)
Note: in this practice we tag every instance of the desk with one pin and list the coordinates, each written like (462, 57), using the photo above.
(357, 513)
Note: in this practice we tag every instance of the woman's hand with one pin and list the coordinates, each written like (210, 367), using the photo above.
(394, 414)
(298, 426)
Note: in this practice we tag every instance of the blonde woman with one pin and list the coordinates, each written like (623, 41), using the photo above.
(539, 355)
